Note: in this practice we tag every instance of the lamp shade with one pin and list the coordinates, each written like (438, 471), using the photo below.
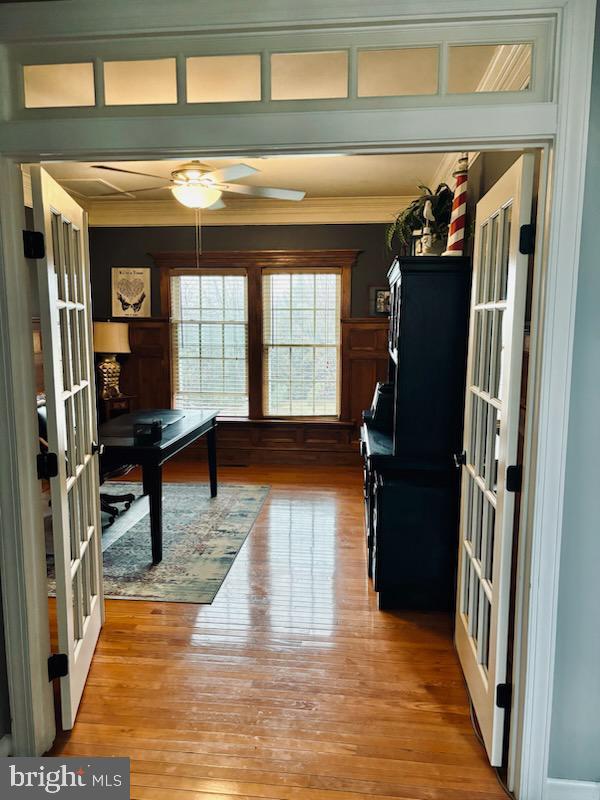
(111, 337)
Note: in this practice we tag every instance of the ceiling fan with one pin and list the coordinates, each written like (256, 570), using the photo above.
(197, 186)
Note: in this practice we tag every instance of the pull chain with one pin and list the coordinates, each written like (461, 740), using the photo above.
(198, 238)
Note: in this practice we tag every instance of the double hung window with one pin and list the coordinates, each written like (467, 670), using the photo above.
(294, 330)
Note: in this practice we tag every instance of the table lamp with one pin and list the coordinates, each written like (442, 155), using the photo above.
(110, 338)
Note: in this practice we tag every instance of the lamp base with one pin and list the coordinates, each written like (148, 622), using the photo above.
(109, 371)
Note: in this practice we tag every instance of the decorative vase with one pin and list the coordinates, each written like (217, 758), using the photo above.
(429, 244)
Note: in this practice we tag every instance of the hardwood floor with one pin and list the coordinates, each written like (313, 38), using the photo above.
(291, 685)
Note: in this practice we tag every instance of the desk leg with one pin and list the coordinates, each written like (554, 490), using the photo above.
(152, 478)
(211, 441)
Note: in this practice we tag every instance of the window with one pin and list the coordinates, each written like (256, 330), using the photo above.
(309, 76)
(223, 79)
(59, 85)
(209, 329)
(397, 71)
(257, 333)
(489, 68)
(301, 314)
(139, 83)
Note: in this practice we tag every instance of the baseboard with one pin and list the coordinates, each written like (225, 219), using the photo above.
(571, 790)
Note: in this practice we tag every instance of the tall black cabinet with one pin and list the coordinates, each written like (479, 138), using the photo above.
(411, 481)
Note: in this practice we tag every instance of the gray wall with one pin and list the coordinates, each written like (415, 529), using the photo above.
(129, 247)
(575, 734)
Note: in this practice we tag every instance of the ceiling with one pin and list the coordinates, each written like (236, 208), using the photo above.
(319, 176)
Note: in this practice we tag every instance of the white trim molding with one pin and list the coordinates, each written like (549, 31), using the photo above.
(553, 318)
(557, 789)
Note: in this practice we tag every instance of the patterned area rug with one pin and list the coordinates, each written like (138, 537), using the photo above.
(201, 539)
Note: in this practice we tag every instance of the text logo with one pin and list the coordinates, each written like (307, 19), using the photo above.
(108, 778)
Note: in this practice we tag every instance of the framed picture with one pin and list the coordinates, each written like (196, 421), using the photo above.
(379, 300)
(131, 292)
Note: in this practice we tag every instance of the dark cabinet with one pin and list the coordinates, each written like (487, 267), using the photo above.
(411, 483)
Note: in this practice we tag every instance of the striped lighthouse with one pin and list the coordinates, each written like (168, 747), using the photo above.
(456, 231)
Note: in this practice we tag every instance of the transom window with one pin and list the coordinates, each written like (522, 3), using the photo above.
(393, 65)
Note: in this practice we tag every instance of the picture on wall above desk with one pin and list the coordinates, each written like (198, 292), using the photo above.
(130, 291)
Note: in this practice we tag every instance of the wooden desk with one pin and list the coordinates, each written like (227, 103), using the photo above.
(181, 429)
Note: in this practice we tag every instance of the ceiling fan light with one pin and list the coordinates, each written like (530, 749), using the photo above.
(196, 196)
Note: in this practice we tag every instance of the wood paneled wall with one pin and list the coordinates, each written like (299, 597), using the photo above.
(146, 375)
(364, 362)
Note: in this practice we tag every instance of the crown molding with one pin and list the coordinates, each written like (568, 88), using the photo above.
(310, 211)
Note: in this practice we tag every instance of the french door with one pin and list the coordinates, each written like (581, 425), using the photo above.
(65, 315)
(490, 444)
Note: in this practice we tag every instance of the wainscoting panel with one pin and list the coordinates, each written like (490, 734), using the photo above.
(364, 362)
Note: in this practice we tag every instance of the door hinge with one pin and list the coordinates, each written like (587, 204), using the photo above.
(47, 466)
(58, 666)
(514, 477)
(527, 239)
(460, 459)
(503, 695)
(33, 244)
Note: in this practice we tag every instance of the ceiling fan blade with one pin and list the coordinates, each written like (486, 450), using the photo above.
(128, 171)
(233, 173)
(263, 191)
(128, 192)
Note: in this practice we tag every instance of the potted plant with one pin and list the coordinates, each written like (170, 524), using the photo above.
(428, 216)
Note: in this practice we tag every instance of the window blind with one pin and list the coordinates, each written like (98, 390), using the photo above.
(301, 339)
(209, 328)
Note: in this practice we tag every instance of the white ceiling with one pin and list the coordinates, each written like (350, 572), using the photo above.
(318, 176)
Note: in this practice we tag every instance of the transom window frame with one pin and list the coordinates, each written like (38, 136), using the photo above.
(539, 32)
(252, 264)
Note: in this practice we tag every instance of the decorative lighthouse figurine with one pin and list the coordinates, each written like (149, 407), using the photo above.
(456, 231)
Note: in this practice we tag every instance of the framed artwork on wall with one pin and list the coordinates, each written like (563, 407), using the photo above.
(131, 292)
(379, 300)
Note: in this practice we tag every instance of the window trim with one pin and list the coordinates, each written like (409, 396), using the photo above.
(252, 263)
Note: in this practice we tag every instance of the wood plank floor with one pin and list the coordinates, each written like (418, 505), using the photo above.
(291, 685)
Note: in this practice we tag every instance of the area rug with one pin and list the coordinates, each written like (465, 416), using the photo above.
(201, 539)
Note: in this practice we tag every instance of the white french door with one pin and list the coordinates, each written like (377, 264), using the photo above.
(65, 314)
(490, 445)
